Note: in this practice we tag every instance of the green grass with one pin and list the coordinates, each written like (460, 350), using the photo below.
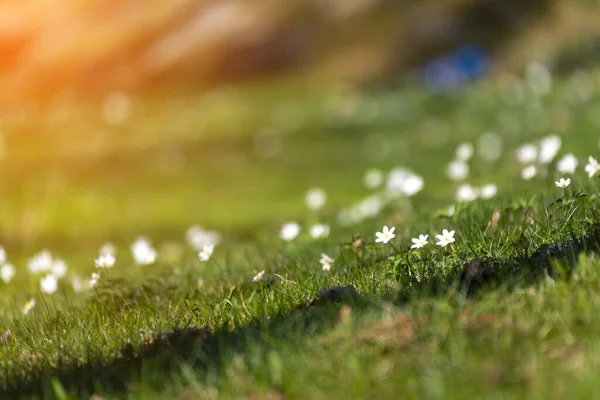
(152, 332)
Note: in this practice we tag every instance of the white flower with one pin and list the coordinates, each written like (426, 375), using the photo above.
(325, 259)
(373, 178)
(107, 249)
(527, 153)
(2, 255)
(592, 166)
(567, 164)
(95, 278)
(457, 170)
(326, 262)
(386, 235)
(258, 276)
(419, 242)
(206, 252)
(315, 199)
(403, 182)
(396, 179)
(59, 268)
(549, 147)
(488, 191)
(48, 284)
(41, 262)
(464, 151)
(563, 183)
(105, 261)
(466, 193)
(445, 238)
(7, 271)
(529, 172)
(319, 231)
(142, 251)
(28, 306)
(289, 231)
(197, 237)
(412, 185)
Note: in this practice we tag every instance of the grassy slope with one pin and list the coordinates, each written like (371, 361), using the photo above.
(420, 339)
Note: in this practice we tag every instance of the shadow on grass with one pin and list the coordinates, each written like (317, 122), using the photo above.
(161, 356)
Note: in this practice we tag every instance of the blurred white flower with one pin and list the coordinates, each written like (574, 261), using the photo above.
(76, 283)
(419, 242)
(142, 251)
(457, 170)
(563, 183)
(549, 147)
(445, 238)
(94, 281)
(489, 146)
(41, 262)
(289, 231)
(200, 283)
(527, 153)
(368, 207)
(464, 151)
(373, 179)
(197, 237)
(567, 164)
(412, 185)
(2, 255)
(385, 235)
(451, 210)
(107, 249)
(592, 166)
(7, 271)
(466, 193)
(529, 172)
(105, 261)
(59, 268)
(319, 231)
(28, 306)
(48, 284)
(315, 199)
(326, 262)
(206, 252)
(395, 180)
(488, 191)
(258, 276)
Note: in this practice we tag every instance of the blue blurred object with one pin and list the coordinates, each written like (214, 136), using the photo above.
(456, 69)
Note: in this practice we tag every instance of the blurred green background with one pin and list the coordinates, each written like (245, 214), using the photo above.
(146, 117)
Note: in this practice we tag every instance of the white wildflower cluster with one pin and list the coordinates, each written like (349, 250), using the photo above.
(387, 234)
(467, 193)
(53, 269)
(534, 156)
(458, 170)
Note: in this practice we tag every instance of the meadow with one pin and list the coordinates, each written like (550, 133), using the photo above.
(287, 240)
